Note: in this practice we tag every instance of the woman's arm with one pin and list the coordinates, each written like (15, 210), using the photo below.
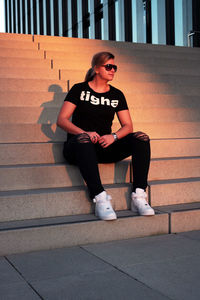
(126, 123)
(126, 128)
(63, 118)
(63, 121)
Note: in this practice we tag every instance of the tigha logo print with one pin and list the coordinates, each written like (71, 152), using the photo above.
(86, 96)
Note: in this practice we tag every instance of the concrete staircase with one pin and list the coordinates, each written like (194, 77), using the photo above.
(44, 202)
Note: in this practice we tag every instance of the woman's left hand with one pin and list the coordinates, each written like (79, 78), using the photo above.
(106, 140)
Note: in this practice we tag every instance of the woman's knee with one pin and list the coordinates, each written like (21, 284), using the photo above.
(141, 136)
(83, 138)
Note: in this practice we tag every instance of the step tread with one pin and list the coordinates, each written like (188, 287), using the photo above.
(53, 221)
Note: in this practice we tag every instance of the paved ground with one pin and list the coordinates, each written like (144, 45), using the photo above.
(153, 268)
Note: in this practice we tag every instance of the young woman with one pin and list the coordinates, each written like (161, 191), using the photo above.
(92, 105)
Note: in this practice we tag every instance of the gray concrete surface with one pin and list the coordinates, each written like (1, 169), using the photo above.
(157, 268)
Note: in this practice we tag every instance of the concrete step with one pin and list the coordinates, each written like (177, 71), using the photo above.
(176, 191)
(126, 54)
(168, 169)
(46, 115)
(16, 37)
(31, 85)
(53, 176)
(49, 153)
(24, 62)
(21, 53)
(8, 44)
(26, 133)
(25, 236)
(31, 153)
(167, 101)
(183, 217)
(55, 43)
(169, 65)
(10, 84)
(172, 87)
(143, 69)
(129, 77)
(29, 73)
(29, 177)
(144, 58)
(55, 202)
(175, 148)
(53, 98)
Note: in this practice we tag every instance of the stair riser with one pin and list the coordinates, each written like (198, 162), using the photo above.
(57, 42)
(58, 203)
(174, 193)
(70, 53)
(125, 61)
(26, 45)
(42, 115)
(26, 240)
(24, 62)
(25, 73)
(31, 85)
(16, 37)
(48, 153)
(150, 66)
(19, 178)
(26, 133)
(128, 78)
(55, 98)
(173, 169)
(18, 53)
(185, 221)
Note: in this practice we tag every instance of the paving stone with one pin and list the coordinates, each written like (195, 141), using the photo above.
(176, 278)
(193, 235)
(8, 274)
(18, 291)
(144, 250)
(97, 285)
(57, 263)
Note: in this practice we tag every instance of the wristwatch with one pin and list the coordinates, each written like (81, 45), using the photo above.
(115, 137)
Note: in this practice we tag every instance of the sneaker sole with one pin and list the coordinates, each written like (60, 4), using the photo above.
(106, 219)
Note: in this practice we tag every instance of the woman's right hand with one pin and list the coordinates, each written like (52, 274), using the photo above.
(94, 136)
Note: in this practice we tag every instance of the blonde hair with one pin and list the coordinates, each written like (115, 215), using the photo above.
(98, 59)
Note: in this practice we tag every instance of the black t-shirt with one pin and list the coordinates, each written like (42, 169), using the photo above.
(95, 111)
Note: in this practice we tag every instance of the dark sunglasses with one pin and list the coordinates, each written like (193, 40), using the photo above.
(109, 67)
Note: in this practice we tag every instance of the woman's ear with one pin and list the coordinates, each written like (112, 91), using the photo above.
(96, 69)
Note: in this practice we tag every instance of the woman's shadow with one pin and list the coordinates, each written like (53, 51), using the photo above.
(49, 114)
(56, 136)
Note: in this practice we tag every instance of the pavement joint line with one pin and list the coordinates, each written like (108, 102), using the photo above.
(124, 273)
(22, 276)
(170, 223)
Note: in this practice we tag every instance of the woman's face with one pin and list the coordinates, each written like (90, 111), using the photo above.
(106, 71)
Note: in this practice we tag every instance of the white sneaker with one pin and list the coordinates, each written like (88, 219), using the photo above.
(139, 203)
(103, 208)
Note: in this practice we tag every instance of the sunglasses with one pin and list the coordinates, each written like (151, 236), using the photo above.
(109, 67)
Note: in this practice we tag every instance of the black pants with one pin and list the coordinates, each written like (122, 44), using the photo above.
(80, 151)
